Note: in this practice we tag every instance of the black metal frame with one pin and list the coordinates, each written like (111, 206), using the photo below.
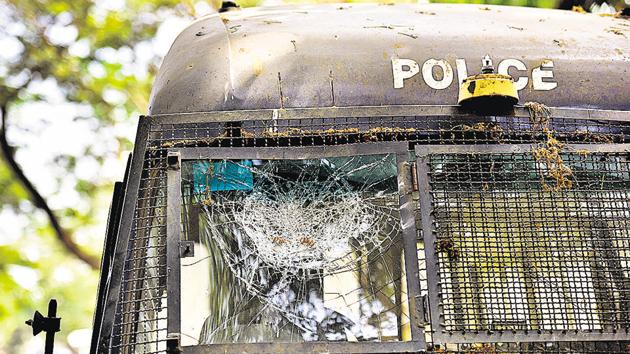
(439, 334)
(373, 111)
(113, 222)
(122, 236)
(174, 158)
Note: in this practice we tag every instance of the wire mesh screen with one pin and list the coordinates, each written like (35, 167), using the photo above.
(531, 242)
(140, 322)
(353, 130)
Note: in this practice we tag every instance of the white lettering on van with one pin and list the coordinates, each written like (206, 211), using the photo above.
(462, 71)
(430, 80)
(403, 69)
(542, 72)
(504, 68)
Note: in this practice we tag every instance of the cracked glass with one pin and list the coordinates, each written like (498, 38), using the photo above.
(293, 251)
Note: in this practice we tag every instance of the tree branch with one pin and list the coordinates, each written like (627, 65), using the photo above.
(62, 234)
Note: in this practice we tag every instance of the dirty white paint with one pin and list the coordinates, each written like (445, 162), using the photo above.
(447, 74)
(462, 71)
(544, 71)
(504, 68)
(403, 69)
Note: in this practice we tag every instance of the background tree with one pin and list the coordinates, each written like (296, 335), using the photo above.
(81, 68)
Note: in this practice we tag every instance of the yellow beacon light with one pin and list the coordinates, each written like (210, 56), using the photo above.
(488, 90)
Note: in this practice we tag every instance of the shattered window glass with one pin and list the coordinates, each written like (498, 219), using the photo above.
(293, 250)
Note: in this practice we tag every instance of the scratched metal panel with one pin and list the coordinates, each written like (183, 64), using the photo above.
(325, 55)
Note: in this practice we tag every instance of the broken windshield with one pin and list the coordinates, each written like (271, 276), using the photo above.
(293, 250)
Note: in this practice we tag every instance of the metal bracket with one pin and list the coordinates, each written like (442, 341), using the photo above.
(414, 177)
(424, 300)
(173, 343)
(173, 160)
(186, 249)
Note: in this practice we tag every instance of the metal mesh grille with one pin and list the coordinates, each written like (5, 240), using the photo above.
(352, 130)
(140, 325)
(520, 250)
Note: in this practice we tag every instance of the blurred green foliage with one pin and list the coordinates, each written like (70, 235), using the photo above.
(73, 45)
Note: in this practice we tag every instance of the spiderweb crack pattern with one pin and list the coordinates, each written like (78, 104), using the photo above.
(303, 221)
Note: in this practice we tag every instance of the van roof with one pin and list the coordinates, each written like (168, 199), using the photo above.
(343, 55)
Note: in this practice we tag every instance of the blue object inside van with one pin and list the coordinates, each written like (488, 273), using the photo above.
(222, 176)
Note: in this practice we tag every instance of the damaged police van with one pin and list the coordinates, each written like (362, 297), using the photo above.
(377, 179)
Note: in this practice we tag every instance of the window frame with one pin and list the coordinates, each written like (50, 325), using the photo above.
(409, 236)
